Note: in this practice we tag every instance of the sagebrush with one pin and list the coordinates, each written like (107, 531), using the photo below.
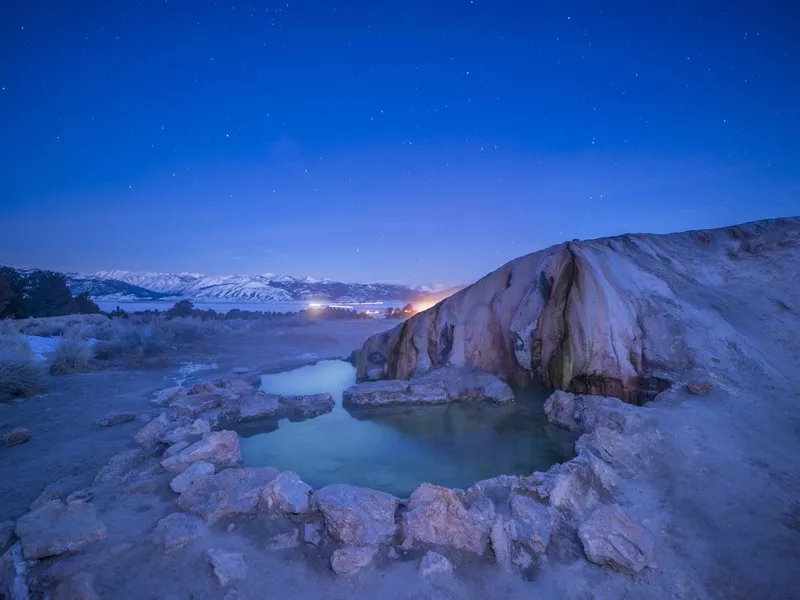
(20, 376)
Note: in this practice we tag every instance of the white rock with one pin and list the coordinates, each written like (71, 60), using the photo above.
(434, 564)
(194, 473)
(228, 566)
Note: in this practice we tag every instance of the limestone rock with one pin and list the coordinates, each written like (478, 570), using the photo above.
(195, 404)
(166, 396)
(500, 537)
(533, 522)
(376, 393)
(348, 561)
(560, 409)
(194, 473)
(582, 316)
(181, 433)
(79, 496)
(307, 406)
(610, 538)
(176, 530)
(118, 465)
(466, 383)
(150, 435)
(18, 435)
(287, 493)
(56, 528)
(77, 587)
(284, 541)
(113, 419)
(220, 448)
(230, 492)
(311, 534)
(175, 448)
(434, 564)
(699, 388)
(259, 406)
(228, 566)
(437, 516)
(357, 516)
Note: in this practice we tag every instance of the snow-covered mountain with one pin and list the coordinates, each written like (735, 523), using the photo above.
(269, 287)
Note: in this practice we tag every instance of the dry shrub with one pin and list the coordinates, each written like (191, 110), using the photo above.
(72, 355)
(192, 329)
(19, 374)
(59, 326)
(133, 341)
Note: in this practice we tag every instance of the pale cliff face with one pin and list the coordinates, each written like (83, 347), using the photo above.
(623, 316)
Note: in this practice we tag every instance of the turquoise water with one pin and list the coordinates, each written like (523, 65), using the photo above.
(394, 449)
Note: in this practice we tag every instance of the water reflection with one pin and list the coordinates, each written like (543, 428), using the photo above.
(396, 448)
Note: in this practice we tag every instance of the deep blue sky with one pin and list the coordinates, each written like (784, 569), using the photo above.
(415, 141)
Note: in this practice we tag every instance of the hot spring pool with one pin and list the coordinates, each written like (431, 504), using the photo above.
(394, 449)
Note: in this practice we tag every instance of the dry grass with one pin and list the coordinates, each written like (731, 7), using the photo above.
(19, 374)
(72, 355)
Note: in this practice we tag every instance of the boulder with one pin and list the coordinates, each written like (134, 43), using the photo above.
(240, 370)
(610, 538)
(376, 393)
(118, 465)
(357, 516)
(437, 516)
(447, 384)
(194, 404)
(229, 492)
(349, 561)
(220, 448)
(534, 521)
(259, 406)
(177, 530)
(311, 534)
(77, 587)
(18, 435)
(194, 473)
(150, 435)
(287, 494)
(56, 528)
(183, 432)
(175, 448)
(560, 409)
(307, 406)
(164, 397)
(228, 566)
(434, 564)
(113, 419)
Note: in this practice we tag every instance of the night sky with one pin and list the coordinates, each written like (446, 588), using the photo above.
(416, 141)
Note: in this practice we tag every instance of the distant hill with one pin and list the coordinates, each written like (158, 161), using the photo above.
(127, 285)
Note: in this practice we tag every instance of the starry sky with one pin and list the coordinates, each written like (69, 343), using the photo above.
(413, 141)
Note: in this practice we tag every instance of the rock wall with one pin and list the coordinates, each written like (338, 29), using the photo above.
(622, 316)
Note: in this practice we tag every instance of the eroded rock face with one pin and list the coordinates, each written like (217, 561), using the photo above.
(357, 516)
(348, 561)
(177, 530)
(230, 492)
(440, 386)
(437, 516)
(220, 448)
(621, 317)
(287, 494)
(56, 528)
(610, 538)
